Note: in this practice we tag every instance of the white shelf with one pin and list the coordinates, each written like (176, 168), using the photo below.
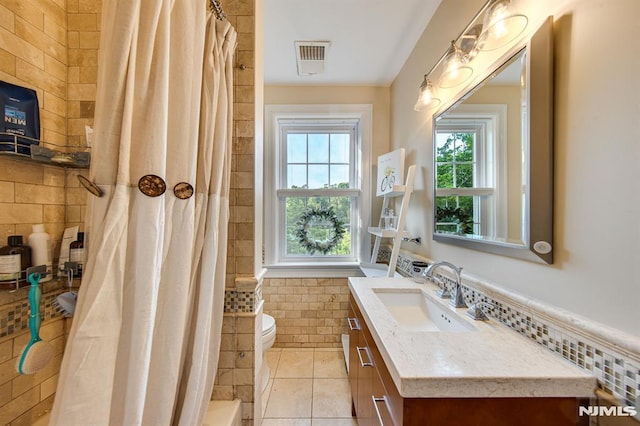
(397, 234)
(398, 191)
(385, 233)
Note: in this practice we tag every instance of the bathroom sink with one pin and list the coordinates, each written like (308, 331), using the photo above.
(416, 311)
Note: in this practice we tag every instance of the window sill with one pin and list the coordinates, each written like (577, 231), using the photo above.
(314, 270)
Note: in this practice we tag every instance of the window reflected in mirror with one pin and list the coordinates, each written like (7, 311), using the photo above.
(479, 190)
(493, 158)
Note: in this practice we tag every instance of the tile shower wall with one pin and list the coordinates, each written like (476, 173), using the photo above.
(239, 362)
(33, 53)
(25, 398)
(55, 50)
(39, 43)
(309, 312)
(240, 257)
(83, 17)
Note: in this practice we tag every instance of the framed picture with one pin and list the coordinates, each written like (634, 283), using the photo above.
(390, 171)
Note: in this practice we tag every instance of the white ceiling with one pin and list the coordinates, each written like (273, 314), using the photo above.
(370, 39)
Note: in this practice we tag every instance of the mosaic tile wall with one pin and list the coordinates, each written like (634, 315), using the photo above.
(617, 372)
(241, 301)
(15, 319)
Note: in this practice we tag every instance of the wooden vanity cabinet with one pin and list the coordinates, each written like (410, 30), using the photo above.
(376, 400)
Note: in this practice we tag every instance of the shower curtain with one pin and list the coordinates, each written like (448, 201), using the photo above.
(145, 340)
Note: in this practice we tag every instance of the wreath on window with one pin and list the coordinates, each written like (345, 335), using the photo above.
(315, 216)
(456, 215)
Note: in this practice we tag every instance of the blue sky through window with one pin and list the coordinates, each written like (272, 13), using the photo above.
(317, 160)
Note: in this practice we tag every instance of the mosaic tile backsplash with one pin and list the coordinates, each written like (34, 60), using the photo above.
(617, 372)
(236, 301)
(15, 318)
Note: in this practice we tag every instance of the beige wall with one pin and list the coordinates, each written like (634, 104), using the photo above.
(377, 96)
(596, 272)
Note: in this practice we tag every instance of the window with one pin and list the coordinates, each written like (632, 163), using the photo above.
(315, 158)
(468, 184)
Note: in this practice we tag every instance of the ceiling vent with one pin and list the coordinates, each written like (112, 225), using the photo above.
(311, 56)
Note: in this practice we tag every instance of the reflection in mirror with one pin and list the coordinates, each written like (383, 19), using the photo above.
(493, 168)
(479, 188)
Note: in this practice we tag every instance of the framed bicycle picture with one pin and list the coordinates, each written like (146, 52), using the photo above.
(390, 171)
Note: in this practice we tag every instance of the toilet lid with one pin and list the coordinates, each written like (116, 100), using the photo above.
(268, 322)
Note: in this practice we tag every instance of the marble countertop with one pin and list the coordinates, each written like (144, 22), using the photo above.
(492, 361)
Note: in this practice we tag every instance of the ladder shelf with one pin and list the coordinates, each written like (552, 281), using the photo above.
(397, 233)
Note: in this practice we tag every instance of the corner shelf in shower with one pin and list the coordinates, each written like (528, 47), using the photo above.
(42, 152)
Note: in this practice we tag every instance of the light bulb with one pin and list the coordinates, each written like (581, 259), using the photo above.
(500, 25)
(427, 97)
(455, 70)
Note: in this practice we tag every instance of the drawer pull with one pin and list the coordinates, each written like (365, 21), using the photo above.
(362, 363)
(375, 405)
(353, 324)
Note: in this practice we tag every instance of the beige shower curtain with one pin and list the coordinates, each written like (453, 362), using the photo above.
(145, 340)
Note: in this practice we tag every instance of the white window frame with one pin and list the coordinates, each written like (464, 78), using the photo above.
(489, 123)
(278, 117)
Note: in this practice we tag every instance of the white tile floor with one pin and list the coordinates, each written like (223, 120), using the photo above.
(308, 387)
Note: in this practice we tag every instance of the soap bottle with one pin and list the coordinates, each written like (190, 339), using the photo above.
(76, 253)
(40, 243)
(15, 258)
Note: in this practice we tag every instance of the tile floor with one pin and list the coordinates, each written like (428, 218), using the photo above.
(308, 387)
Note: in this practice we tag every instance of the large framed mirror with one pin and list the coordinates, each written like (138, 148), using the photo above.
(493, 158)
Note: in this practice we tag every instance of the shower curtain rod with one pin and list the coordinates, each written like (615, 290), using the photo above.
(216, 8)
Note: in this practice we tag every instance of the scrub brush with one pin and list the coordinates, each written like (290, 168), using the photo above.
(37, 353)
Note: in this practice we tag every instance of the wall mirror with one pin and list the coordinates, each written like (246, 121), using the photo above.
(493, 158)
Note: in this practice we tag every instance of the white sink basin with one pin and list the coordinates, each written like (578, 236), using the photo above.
(414, 310)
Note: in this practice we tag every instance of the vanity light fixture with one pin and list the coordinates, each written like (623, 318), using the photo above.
(427, 96)
(456, 70)
(500, 26)
(493, 27)
(468, 41)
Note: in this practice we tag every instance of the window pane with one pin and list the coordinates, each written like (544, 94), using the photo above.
(318, 176)
(444, 176)
(318, 148)
(464, 176)
(296, 148)
(296, 176)
(464, 146)
(340, 176)
(455, 215)
(319, 230)
(340, 147)
(444, 147)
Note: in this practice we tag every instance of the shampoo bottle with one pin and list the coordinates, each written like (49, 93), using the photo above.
(15, 258)
(40, 243)
(76, 253)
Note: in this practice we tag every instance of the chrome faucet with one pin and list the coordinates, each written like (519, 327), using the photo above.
(456, 298)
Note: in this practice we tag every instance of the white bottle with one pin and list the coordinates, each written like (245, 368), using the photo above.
(40, 243)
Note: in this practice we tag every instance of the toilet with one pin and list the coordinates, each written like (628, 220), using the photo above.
(268, 338)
